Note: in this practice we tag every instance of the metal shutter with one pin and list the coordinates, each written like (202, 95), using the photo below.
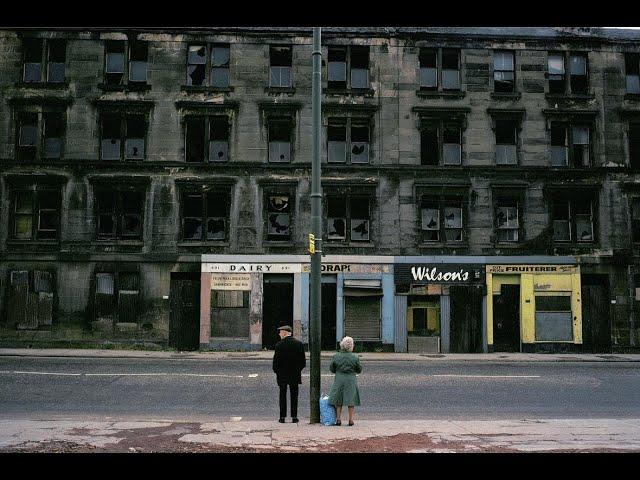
(362, 318)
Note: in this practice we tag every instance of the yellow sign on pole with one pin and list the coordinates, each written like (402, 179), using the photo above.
(312, 243)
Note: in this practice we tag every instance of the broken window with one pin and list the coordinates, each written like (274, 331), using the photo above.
(556, 73)
(279, 140)
(573, 220)
(220, 57)
(634, 145)
(450, 69)
(506, 143)
(36, 214)
(635, 219)
(210, 209)
(138, 58)
(337, 67)
(440, 139)
(351, 210)
(114, 60)
(583, 221)
(507, 221)
(359, 67)
(117, 297)
(120, 214)
(559, 145)
(30, 298)
(56, 61)
(195, 139)
(504, 71)
(359, 218)
(196, 64)
(337, 143)
(430, 151)
(27, 136)
(53, 133)
(359, 143)
(123, 130)
(578, 73)
(632, 70)
(280, 66)
(562, 221)
(441, 217)
(336, 218)
(278, 218)
(32, 60)
(218, 139)
(428, 69)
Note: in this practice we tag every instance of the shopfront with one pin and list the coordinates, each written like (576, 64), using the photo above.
(533, 308)
(439, 304)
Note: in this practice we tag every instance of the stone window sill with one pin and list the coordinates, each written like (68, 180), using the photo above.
(130, 87)
(562, 96)
(632, 96)
(206, 89)
(117, 243)
(186, 243)
(454, 94)
(365, 92)
(43, 85)
(275, 243)
(444, 245)
(18, 243)
(277, 90)
(330, 243)
(506, 96)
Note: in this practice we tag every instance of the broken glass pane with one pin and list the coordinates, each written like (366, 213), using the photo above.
(278, 224)
(561, 230)
(192, 229)
(453, 235)
(218, 151)
(359, 152)
(111, 149)
(216, 228)
(131, 225)
(359, 229)
(197, 55)
(279, 204)
(195, 75)
(336, 228)
(430, 219)
(507, 217)
(452, 217)
(584, 228)
(134, 148)
(279, 151)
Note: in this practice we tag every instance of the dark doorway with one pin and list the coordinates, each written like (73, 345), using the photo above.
(466, 319)
(184, 319)
(506, 319)
(596, 330)
(328, 323)
(277, 307)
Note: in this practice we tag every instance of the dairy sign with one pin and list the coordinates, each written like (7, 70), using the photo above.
(252, 267)
(440, 273)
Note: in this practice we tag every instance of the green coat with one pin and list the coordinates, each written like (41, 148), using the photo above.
(344, 390)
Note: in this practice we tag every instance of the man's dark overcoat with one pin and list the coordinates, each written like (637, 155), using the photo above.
(289, 361)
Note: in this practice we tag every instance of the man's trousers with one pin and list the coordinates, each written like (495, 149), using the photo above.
(293, 389)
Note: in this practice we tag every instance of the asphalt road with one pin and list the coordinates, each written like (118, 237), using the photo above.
(214, 390)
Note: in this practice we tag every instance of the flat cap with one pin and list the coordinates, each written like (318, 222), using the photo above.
(286, 328)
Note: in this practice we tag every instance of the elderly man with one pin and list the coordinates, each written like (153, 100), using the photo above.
(288, 361)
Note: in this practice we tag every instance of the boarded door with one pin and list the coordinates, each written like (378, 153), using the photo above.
(466, 319)
(596, 330)
(506, 319)
(184, 320)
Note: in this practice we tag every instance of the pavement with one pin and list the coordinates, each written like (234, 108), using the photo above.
(371, 356)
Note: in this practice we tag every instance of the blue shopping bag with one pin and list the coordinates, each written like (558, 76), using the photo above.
(327, 411)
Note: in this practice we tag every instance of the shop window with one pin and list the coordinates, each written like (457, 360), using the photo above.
(36, 213)
(120, 214)
(447, 76)
(38, 52)
(279, 131)
(207, 139)
(280, 63)
(205, 211)
(504, 71)
(123, 136)
(506, 142)
(423, 319)
(117, 296)
(635, 219)
(31, 298)
(353, 211)
(441, 219)
(573, 221)
(230, 313)
(570, 145)
(278, 217)
(126, 62)
(507, 221)
(197, 65)
(554, 319)
(632, 70)
(441, 140)
(634, 145)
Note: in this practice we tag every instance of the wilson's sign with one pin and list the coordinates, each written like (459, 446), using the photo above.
(445, 273)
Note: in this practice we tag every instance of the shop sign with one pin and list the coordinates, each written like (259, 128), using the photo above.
(445, 273)
(252, 267)
(349, 268)
(230, 281)
(546, 269)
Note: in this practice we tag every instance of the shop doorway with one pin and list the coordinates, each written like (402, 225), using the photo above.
(423, 324)
(328, 323)
(506, 319)
(466, 319)
(184, 315)
(277, 307)
(596, 330)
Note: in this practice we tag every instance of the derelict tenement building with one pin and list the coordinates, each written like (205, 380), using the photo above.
(481, 187)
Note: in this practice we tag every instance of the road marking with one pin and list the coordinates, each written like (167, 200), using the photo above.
(163, 374)
(322, 375)
(46, 373)
(488, 376)
(253, 375)
(236, 419)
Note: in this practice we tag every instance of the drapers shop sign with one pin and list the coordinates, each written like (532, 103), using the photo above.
(426, 274)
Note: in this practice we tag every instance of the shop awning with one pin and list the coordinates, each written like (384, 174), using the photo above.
(362, 288)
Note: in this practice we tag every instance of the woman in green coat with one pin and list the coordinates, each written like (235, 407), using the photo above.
(344, 390)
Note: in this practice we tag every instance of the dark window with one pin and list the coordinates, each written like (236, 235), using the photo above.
(53, 134)
(196, 64)
(337, 67)
(504, 71)
(56, 61)
(218, 139)
(280, 66)
(635, 219)
(559, 145)
(450, 69)
(580, 145)
(441, 218)
(573, 220)
(632, 68)
(278, 217)
(208, 209)
(359, 143)
(507, 220)
(556, 73)
(279, 141)
(337, 143)
(352, 211)
(430, 151)
(120, 214)
(440, 140)
(36, 214)
(134, 140)
(578, 73)
(634, 145)
(220, 57)
(336, 218)
(123, 136)
(27, 136)
(506, 142)
(359, 67)
(111, 135)
(451, 145)
(138, 58)
(428, 69)
(195, 139)
(32, 58)
(117, 296)
(359, 219)
(115, 53)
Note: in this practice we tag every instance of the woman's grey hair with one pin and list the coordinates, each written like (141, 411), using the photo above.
(346, 344)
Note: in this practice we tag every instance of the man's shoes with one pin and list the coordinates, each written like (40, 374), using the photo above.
(294, 420)
(281, 419)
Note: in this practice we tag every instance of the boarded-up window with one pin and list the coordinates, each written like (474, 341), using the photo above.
(230, 313)
(554, 321)
(31, 299)
(105, 295)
